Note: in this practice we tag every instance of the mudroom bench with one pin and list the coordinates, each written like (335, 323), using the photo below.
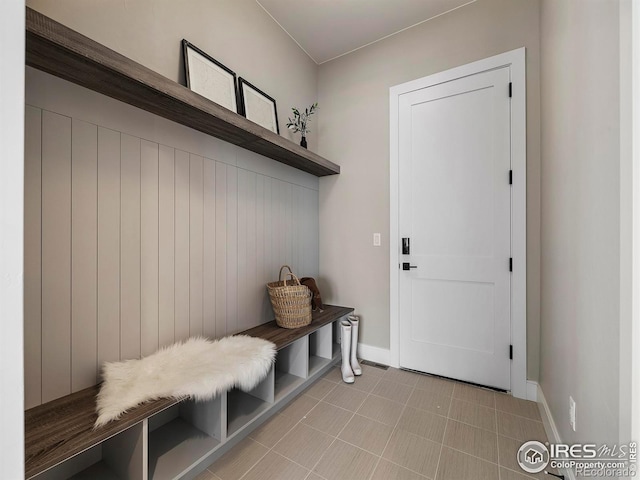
(168, 439)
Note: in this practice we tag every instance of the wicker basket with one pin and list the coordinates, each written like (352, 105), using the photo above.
(291, 302)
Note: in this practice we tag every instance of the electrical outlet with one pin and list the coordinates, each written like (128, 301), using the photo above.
(572, 413)
(376, 239)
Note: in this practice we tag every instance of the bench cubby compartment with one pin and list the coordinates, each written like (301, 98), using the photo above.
(292, 367)
(121, 457)
(182, 435)
(243, 408)
(320, 349)
(337, 339)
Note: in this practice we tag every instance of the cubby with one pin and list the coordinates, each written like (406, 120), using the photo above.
(336, 340)
(320, 349)
(182, 435)
(121, 457)
(291, 369)
(168, 438)
(244, 407)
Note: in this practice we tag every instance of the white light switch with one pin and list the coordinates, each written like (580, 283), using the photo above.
(376, 239)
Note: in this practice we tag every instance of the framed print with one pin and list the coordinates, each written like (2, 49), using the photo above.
(257, 106)
(209, 78)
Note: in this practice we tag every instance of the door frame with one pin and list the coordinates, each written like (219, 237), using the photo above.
(514, 59)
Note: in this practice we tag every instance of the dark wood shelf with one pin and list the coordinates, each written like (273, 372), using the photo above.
(60, 51)
(283, 337)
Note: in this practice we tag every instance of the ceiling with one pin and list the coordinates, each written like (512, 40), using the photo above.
(327, 29)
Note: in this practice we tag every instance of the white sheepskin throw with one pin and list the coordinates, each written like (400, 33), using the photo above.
(197, 368)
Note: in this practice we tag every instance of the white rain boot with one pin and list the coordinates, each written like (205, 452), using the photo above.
(345, 346)
(354, 320)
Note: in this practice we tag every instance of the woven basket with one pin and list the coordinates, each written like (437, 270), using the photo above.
(291, 302)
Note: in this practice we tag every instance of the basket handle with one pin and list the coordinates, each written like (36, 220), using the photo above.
(290, 274)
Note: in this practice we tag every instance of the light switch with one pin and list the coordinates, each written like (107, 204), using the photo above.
(376, 239)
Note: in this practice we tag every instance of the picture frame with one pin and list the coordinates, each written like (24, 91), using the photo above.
(257, 106)
(208, 77)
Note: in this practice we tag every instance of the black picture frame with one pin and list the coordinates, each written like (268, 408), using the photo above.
(244, 84)
(196, 81)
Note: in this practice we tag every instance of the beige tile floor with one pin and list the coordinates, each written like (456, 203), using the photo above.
(388, 425)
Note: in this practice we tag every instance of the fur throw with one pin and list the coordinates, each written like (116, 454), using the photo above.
(196, 368)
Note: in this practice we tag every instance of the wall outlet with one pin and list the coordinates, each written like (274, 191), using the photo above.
(376, 239)
(572, 413)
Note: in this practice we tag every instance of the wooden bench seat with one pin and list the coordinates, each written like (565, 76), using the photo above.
(62, 428)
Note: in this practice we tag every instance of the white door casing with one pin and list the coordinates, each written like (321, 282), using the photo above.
(436, 254)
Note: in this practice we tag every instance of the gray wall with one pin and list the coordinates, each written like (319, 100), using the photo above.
(238, 33)
(581, 216)
(140, 232)
(354, 132)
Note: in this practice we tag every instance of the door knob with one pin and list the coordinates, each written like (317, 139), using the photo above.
(406, 266)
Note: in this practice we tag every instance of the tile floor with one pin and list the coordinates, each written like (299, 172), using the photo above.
(388, 425)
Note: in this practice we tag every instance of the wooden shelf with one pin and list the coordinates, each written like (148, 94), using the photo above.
(283, 337)
(60, 51)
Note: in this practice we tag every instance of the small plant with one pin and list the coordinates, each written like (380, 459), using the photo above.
(300, 120)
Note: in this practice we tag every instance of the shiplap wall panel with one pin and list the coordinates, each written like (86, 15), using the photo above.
(260, 293)
(276, 226)
(166, 245)
(293, 224)
(196, 245)
(56, 255)
(314, 252)
(209, 247)
(221, 249)
(250, 279)
(181, 252)
(232, 250)
(32, 258)
(288, 228)
(130, 247)
(108, 245)
(155, 239)
(243, 206)
(84, 254)
(149, 256)
(269, 262)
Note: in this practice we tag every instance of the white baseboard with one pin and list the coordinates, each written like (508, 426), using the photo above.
(550, 427)
(374, 354)
(532, 390)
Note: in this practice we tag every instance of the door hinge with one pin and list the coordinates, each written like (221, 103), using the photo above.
(510, 177)
(510, 89)
(511, 264)
(510, 352)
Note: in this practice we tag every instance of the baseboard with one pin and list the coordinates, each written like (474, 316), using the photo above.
(532, 390)
(550, 427)
(374, 354)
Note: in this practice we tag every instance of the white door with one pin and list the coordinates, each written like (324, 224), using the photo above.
(455, 207)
